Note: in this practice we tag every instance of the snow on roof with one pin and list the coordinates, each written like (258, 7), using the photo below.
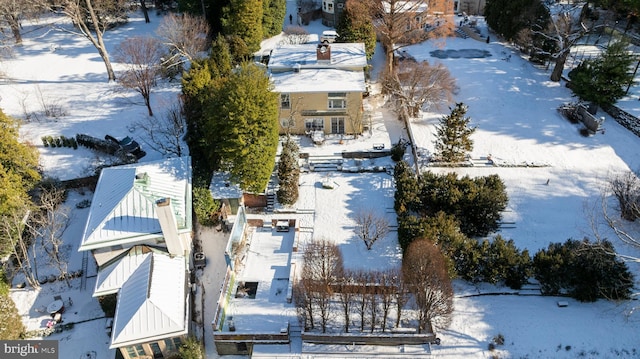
(343, 56)
(318, 80)
(112, 276)
(406, 6)
(123, 207)
(221, 186)
(152, 304)
(268, 262)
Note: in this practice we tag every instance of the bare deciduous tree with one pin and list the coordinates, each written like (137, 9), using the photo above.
(49, 223)
(294, 35)
(141, 57)
(401, 295)
(304, 303)
(346, 289)
(13, 11)
(400, 23)
(361, 299)
(626, 188)
(166, 134)
(387, 284)
(92, 19)
(12, 229)
(370, 227)
(322, 267)
(425, 272)
(421, 86)
(564, 29)
(186, 36)
(356, 118)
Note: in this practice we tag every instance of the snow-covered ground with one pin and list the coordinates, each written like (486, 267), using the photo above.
(514, 106)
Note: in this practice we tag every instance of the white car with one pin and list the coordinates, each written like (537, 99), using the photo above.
(328, 36)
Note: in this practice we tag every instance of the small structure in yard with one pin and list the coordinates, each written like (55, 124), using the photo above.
(578, 112)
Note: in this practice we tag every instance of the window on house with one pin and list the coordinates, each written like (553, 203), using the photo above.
(337, 100)
(330, 7)
(157, 352)
(135, 351)
(140, 350)
(324, 5)
(340, 5)
(337, 125)
(131, 353)
(315, 124)
(285, 101)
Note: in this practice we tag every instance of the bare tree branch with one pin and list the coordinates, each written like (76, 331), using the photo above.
(186, 36)
(141, 57)
(370, 227)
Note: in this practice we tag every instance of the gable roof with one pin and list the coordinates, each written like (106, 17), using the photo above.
(153, 302)
(112, 275)
(123, 208)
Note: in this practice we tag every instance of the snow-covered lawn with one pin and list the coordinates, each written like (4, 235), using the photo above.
(513, 104)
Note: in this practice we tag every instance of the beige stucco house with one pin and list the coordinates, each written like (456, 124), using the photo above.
(139, 233)
(321, 87)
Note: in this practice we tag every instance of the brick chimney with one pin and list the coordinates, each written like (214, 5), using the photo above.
(323, 51)
(169, 227)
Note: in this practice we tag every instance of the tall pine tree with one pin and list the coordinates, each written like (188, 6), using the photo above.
(454, 135)
(273, 16)
(198, 84)
(602, 81)
(243, 18)
(288, 172)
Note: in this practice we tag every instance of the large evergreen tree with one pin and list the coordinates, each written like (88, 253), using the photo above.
(243, 18)
(273, 17)
(355, 25)
(602, 80)
(288, 172)
(241, 123)
(509, 17)
(585, 270)
(454, 135)
(204, 78)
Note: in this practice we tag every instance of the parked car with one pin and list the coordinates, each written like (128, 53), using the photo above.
(128, 145)
(328, 36)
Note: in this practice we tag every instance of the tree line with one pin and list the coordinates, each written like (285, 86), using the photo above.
(371, 300)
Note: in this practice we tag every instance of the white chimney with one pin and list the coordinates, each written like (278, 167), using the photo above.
(169, 227)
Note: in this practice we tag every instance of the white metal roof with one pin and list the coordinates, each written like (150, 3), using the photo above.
(343, 56)
(112, 276)
(318, 80)
(123, 206)
(153, 302)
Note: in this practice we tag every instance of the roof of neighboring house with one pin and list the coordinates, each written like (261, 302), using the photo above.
(406, 6)
(112, 275)
(318, 80)
(343, 56)
(123, 209)
(153, 302)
